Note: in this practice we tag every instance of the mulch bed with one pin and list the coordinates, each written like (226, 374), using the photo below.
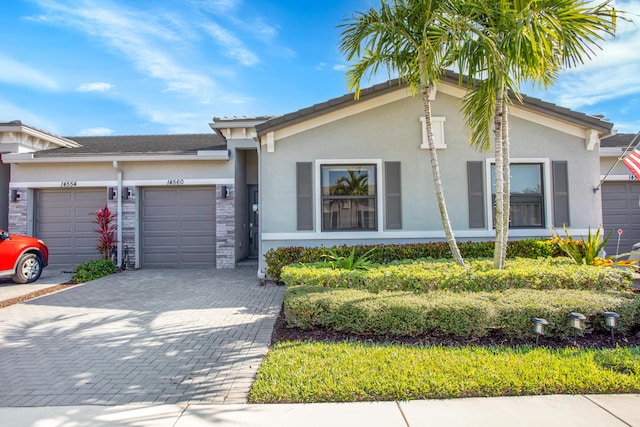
(35, 294)
(283, 333)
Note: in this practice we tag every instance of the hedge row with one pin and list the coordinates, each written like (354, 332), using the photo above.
(476, 276)
(473, 314)
(528, 248)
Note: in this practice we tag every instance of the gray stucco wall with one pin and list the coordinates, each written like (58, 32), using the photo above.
(393, 133)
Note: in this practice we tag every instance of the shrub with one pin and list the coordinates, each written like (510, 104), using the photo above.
(478, 275)
(468, 315)
(92, 270)
(278, 258)
(106, 231)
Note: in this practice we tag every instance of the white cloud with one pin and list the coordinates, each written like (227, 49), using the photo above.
(15, 72)
(613, 73)
(96, 132)
(94, 87)
(339, 67)
(235, 47)
(147, 40)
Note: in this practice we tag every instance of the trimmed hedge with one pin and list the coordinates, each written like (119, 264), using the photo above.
(478, 275)
(473, 314)
(278, 258)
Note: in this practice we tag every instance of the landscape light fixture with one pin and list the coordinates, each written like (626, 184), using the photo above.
(538, 327)
(611, 321)
(577, 322)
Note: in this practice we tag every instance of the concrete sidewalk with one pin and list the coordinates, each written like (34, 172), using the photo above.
(565, 411)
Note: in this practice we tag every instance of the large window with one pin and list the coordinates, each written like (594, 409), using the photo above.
(527, 195)
(348, 197)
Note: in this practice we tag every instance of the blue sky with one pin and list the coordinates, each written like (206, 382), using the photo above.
(121, 67)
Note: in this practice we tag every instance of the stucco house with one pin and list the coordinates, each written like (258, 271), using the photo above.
(303, 155)
(620, 194)
(339, 172)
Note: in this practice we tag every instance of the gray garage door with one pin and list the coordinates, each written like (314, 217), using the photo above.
(64, 220)
(178, 227)
(620, 210)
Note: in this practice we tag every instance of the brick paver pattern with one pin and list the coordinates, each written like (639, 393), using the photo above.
(150, 336)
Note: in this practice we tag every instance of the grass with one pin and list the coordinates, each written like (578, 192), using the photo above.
(305, 371)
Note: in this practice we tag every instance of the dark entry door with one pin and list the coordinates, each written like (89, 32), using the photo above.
(254, 228)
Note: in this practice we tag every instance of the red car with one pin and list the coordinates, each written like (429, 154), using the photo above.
(21, 257)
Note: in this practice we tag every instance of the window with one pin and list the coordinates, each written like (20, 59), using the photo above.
(348, 197)
(527, 195)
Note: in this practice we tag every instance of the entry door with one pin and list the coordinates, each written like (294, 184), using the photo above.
(254, 227)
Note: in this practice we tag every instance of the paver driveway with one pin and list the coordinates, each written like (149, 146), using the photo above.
(147, 336)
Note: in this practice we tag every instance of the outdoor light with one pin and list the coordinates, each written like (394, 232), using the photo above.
(577, 322)
(611, 320)
(538, 327)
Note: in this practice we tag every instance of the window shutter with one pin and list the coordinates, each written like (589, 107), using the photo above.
(393, 195)
(475, 186)
(560, 193)
(304, 199)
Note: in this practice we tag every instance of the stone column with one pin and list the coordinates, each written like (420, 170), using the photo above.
(18, 212)
(225, 227)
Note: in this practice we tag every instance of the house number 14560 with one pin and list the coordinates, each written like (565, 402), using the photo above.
(175, 181)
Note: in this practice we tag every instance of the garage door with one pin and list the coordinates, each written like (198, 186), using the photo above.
(620, 210)
(64, 220)
(178, 227)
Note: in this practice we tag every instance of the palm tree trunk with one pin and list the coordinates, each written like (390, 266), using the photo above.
(499, 172)
(506, 210)
(435, 169)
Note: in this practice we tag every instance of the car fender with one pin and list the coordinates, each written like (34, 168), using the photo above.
(33, 250)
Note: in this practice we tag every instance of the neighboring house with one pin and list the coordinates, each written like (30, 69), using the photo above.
(340, 172)
(620, 194)
(182, 200)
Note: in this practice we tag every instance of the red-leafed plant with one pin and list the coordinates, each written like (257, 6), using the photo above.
(107, 231)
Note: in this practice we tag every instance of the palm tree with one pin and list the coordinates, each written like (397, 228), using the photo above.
(403, 36)
(506, 43)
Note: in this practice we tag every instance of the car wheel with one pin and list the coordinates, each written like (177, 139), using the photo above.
(28, 270)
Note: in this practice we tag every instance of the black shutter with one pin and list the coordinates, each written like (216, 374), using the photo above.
(475, 187)
(304, 196)
(393, 195)
(560, 193)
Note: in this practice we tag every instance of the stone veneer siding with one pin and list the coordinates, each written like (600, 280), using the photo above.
(128, 223)
(18, 212)
(225, 227)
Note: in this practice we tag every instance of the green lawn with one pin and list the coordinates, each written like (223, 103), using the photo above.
(339, 372)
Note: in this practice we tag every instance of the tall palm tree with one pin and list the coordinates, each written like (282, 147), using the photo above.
(506, 43)
(404, 37)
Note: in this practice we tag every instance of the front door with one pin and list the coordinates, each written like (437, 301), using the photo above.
(254, 230)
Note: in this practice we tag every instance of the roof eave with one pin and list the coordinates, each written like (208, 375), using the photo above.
(221, 155)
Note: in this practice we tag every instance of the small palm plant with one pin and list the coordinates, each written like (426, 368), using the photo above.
(581, 251)
(334, 260)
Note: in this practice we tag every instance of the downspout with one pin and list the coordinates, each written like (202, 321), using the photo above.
(119, 218)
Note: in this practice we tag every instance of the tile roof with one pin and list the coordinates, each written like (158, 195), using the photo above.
(618, 140)
(535, 104)
(139, 144)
